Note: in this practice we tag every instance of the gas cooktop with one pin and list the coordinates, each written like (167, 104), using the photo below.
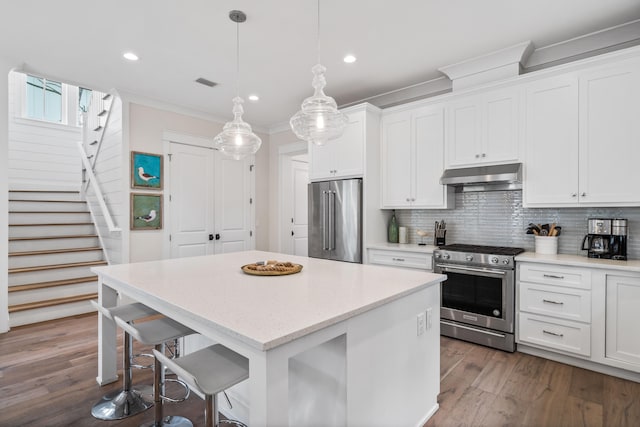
(480, 249)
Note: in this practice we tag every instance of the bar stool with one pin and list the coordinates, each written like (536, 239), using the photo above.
(128, 401)
(210, 371)
(156, 333)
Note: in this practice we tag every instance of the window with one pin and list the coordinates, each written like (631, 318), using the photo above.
(84, 100)
(44, 99)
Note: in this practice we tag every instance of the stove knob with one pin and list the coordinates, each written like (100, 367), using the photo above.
(469, 258)
(505, 261)
(446, 256)
(494, 260)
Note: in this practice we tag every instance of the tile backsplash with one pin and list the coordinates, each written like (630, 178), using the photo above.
(498, 218)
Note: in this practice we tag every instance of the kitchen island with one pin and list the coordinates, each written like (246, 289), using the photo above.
(336, 344)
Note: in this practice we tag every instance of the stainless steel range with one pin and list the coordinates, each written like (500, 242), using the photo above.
(478, 297)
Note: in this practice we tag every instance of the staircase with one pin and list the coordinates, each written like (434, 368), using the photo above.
(52, 247)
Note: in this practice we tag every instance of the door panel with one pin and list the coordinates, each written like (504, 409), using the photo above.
(346, 215)
(317, 214)
(191, 200)
(300, 226)
(232, 205)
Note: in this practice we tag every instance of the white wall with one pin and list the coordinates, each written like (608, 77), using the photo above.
(41, 154)
(146, 126)
(5, 67)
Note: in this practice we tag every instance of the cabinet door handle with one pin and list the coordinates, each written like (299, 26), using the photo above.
(553, 276)
(398, 259)
(548, 301)
(552, 333)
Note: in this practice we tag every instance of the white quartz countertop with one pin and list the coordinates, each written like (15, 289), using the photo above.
(580, 261)
(266, 311)
(406, 247)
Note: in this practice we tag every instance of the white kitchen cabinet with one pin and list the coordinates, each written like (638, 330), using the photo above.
(412, 159)
(483, 129)
(554, 308)
(402, 255)
(622, 319)
(342, 157)
(581, 137)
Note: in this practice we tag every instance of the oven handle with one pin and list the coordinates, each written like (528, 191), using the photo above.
(445, 267)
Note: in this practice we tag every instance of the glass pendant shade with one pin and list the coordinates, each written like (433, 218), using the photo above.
(237, 140)
(319, 120)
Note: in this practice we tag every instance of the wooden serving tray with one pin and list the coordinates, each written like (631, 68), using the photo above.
(292, 270)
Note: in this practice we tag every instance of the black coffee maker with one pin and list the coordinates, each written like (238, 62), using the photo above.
(607, 239)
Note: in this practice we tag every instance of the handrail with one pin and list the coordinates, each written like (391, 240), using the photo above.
(96, 188)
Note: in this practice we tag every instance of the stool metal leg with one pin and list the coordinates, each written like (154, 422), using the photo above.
(159, 419)
(121, 403)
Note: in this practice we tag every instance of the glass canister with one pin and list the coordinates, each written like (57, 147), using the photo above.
(392, 231)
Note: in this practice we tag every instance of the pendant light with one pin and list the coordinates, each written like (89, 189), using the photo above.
(319, 119)
(237, 140)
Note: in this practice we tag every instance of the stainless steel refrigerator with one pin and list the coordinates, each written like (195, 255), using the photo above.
(335, 220)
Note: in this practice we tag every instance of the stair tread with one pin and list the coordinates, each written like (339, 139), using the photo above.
(54, 266)
(102, 113)
(55, 251)
(50, 224)
(48, 212)
(51, 302)
(72, 236)
(44, 191)
(51, 284)
(47, 201)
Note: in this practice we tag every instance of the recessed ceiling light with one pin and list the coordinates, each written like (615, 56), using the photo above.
(254, 98)
(349, 59)
(130, 56)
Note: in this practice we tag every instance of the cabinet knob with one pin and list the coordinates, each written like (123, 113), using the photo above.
(583, 194)
(484, 155)
(408, 199)
(413, 199)
(574, 195)
(477, 156)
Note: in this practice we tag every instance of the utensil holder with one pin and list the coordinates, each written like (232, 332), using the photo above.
(546, 245)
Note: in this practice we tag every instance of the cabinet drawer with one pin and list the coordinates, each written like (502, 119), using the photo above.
(555, 334)
(566, 303)
(571, 277)
(401, 259)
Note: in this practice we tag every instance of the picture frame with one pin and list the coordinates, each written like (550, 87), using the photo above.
(146, 170)
(146, 211)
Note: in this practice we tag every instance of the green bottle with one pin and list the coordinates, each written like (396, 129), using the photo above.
(393, 229)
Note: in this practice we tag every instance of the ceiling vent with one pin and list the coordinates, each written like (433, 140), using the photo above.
(499, 65)
(206, 82)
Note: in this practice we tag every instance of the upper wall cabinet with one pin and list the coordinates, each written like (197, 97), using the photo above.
(344, 156)
(412, 159)
(483, 129)
(581, 134)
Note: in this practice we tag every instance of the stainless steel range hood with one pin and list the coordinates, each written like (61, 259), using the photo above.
(484, 178)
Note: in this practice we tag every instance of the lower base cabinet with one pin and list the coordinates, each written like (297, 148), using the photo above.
(582, 314)
(623, 319)
(401, 258)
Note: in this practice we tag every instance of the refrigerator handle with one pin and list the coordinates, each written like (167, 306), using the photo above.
(332, 217)
(325, 207)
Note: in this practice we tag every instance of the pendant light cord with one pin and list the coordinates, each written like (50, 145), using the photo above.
(237, 59)
(318, 32)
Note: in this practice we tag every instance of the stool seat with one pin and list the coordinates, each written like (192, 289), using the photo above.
(154, 331)
(128, 312)
(210, 370)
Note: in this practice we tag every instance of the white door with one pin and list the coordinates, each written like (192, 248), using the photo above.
(294, 222)
(191, 200)
(233, 205)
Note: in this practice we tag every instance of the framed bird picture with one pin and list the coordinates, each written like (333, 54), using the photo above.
(146, 211)
(146, 170)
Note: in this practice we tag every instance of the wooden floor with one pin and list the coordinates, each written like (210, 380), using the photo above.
(47, 378)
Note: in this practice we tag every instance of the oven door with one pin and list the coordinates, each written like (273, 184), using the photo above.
(478, 296)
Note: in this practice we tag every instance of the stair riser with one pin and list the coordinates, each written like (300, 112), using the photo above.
(16, 205)
(48, 244)
(51, 259)
(36, 295)
(48, 218)
(45, 231)
(48, 275)
(25, 195)
(48, 313)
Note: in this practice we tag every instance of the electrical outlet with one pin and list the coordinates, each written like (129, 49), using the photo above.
(422, 323)
(429, 318)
